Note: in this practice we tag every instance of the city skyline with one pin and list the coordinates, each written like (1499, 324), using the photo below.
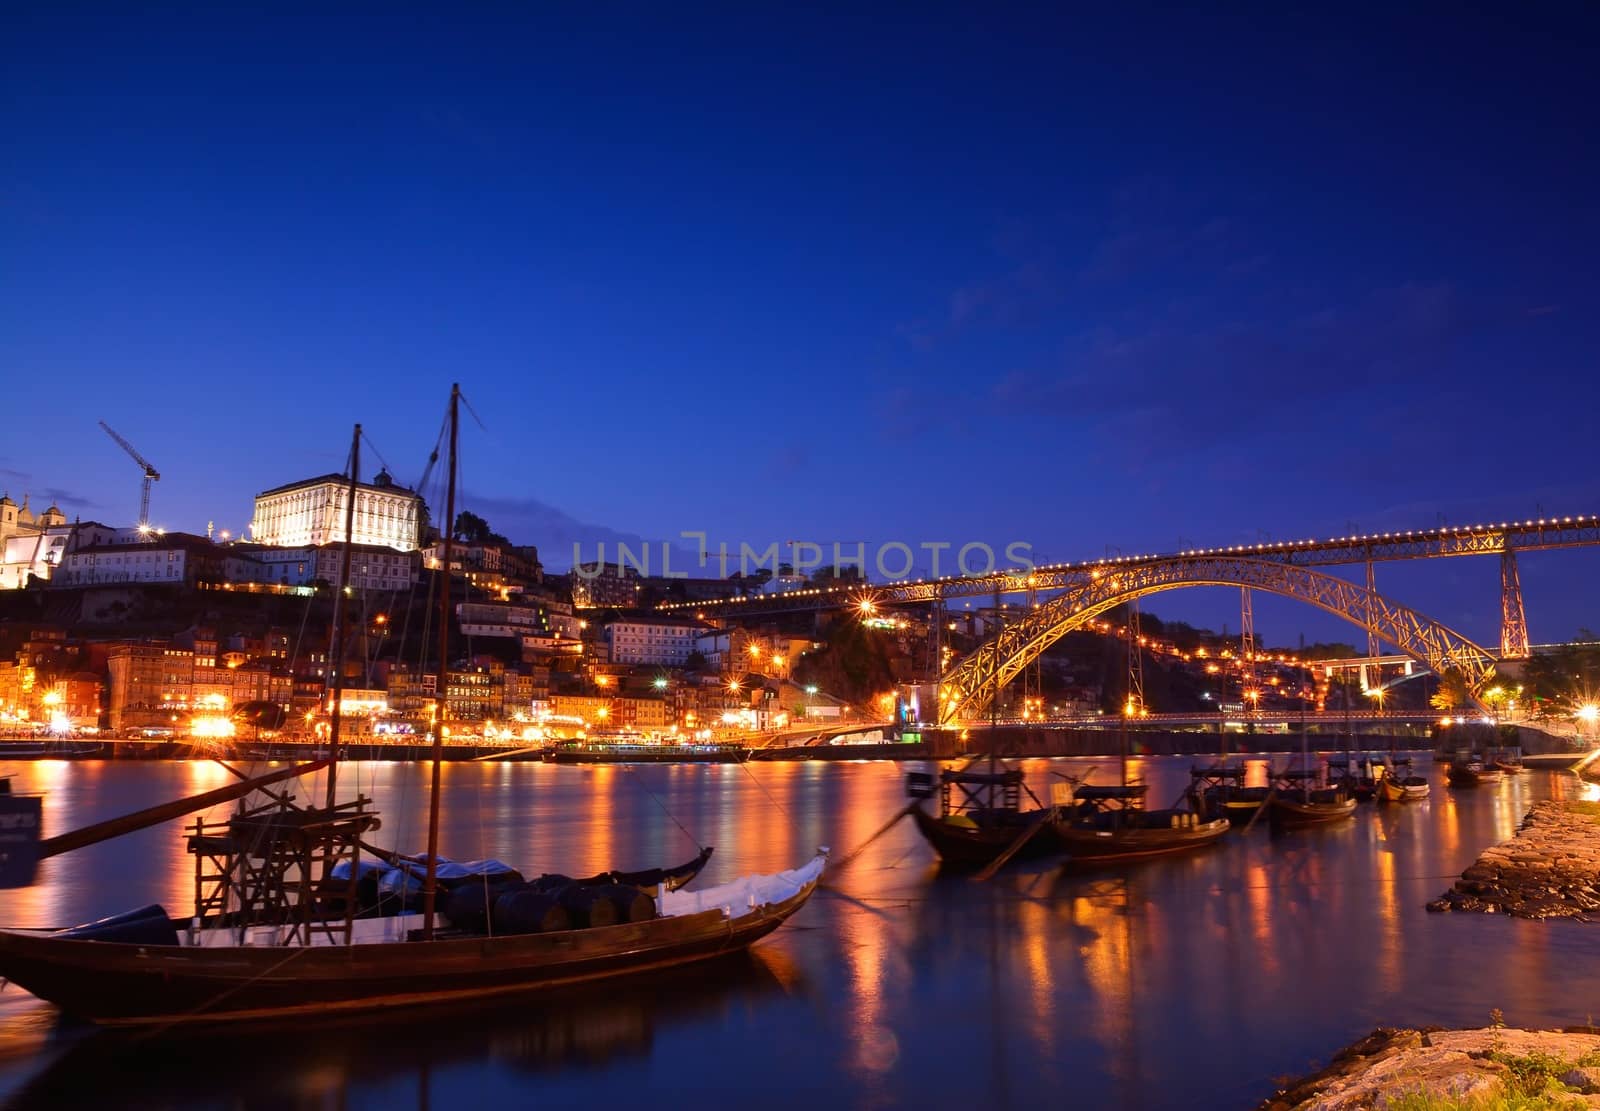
(1234, 275)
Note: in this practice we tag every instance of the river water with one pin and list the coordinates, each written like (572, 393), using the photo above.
(1186, 983)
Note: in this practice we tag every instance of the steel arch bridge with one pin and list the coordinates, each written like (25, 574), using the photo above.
(967, 688)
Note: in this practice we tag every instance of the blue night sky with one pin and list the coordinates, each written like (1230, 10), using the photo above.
(1102, 279)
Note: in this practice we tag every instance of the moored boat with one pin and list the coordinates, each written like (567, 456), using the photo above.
(281, 929)
(1218, 791)
(1508, 761)
(1357, 776)
(981, 816)
(1402, 784)
(1471, 771)
(1300, 798)
(195, 977)
(1103, 825)
(1322, 806)
(982, 820)
(645, 752)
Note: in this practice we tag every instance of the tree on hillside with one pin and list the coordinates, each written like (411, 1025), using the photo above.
(475, 530)
(854, 663)
(1558, 682)
(1453, 691)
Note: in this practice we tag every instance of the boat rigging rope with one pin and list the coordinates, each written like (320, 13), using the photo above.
(745, 764)
(666, 810)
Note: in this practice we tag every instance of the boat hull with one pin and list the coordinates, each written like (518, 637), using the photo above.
(1458, 776)
(140, 985)
(963, 845)
(667, 756)
(1397, 791)
(1239, 812)
(1099, 846)
(1295, 814)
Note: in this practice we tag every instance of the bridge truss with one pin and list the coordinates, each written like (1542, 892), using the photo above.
(967, 689)
(1504, 539)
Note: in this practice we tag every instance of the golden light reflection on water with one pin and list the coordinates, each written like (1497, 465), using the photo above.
(1108, 967)
(1080, 975)
(1392, 950)
(1035, 921)
(1258, 898)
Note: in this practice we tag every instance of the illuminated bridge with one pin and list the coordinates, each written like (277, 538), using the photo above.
(1082, 591)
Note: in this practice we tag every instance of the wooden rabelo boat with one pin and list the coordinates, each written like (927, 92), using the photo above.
(1357, 776)
(279, 927)
(1301, 796)
(1471, 771)
(1218, 791)
(1300, 799)
(983, 819)
(1109, 824)
(981, 816)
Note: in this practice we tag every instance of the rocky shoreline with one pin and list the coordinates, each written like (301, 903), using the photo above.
(1455, 1068)
(1550, 869)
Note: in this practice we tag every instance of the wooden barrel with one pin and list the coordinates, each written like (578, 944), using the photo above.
(525, 911)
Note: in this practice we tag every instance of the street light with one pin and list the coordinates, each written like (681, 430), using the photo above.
(661, 682)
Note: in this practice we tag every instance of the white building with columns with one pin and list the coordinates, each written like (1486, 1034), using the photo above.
(311, 513)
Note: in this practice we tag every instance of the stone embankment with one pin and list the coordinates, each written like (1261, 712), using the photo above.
(1550, 869)
(1454, 1068)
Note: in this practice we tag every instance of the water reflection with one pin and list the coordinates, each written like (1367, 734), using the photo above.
(1203, 976)
(401, 1061)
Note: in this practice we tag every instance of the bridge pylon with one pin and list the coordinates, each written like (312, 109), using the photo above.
(1513, 621)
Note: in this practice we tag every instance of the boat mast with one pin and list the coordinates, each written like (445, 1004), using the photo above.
(341, 618)
(1305, 755)
(442, 690)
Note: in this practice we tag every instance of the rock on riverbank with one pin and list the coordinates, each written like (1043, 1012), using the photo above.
(1452, 1065)
(1550, 869)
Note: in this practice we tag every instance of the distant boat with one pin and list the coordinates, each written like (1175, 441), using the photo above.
(636, 748)
(1402, 784)
(1359, 777)
(1300, 798)
(1508, 760)
(1471, 771)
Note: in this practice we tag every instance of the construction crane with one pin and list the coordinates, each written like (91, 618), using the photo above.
(150, 474)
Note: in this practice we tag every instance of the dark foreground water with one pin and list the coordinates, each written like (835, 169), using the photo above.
(1189, 983)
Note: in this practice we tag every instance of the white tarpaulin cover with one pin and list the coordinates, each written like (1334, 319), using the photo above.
(744, 894)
